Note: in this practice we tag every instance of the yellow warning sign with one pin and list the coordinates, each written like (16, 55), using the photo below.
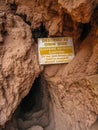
(55, 50)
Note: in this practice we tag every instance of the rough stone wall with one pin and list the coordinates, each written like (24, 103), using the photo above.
(73, 87)
(81, 10)
(18, 65)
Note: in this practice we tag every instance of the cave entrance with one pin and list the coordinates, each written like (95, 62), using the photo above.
(33, 101)
(33, 109)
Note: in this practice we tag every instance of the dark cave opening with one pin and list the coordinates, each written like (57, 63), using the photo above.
(33, 101)
(85, 30)
(40, 32)
(33, 109)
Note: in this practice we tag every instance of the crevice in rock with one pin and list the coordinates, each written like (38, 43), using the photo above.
(68, 23)
(85, 30)
(24, 17)
(13, 7)
(40, 32)
(3, 31)
(95, 16)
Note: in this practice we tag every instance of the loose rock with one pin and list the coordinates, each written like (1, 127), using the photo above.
(35, 128)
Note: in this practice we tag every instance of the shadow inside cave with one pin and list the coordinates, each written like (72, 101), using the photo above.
(33, 101)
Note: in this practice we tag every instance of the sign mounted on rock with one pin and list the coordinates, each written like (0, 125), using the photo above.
(55, 50)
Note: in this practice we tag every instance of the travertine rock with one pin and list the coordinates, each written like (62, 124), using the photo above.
(18, 66)
(48, 12)
(80, 10)
(73, 87)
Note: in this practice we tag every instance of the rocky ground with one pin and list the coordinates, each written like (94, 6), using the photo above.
(67, 98)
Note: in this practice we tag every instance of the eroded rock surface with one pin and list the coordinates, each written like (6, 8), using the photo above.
(81, 10)
(18, 65)
(73, 87)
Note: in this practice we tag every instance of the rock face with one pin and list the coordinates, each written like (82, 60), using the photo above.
(18, 65)
(80, 10)
(73, 87)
